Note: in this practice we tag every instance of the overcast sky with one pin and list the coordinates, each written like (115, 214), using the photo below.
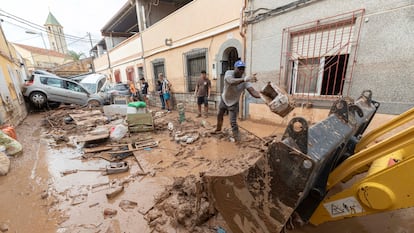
(76, 16)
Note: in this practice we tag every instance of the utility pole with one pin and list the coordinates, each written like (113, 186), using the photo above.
(90, 41)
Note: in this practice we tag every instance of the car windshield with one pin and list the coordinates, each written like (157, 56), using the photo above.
(90, 87)
(121, 87)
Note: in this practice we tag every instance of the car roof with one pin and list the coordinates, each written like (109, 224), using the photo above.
(44, 72)
(92, 78)
(54, 76)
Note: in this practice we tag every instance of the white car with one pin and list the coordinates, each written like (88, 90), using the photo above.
(93, 82)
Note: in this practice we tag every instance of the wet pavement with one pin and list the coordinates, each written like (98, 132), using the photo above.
(22, 208)
(36, 197)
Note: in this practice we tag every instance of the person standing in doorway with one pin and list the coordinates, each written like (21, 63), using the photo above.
(166, 91)
(202, 92)
(144, 90)
(235, 82)
(159, 92)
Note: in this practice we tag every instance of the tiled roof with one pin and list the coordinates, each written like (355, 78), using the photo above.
(41, 51)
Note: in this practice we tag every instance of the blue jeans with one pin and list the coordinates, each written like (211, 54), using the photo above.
(233, 112)
(162, 101)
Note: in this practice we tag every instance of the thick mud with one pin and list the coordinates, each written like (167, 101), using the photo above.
(22, 207)
(36, 197)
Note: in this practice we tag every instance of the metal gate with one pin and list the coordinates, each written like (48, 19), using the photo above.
(196, 62)
(158, 69)
(315, 55)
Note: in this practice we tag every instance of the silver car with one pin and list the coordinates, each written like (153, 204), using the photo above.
(43, 88)
(110, 91)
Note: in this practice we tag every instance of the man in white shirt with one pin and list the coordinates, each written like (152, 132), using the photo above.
(166, 87)
(235, 82)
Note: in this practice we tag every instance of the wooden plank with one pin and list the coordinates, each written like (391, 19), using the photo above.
(92, 137)
(96, 149)
(91, 121)
(137, 148)
(87, 118)
(85, 114)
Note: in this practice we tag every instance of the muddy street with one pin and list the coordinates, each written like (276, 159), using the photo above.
(57, 185)
(38, 197)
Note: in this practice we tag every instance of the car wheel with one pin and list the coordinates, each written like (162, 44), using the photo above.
(94, 103)
(38, 98)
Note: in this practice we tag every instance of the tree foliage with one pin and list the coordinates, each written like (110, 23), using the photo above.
(76, 56)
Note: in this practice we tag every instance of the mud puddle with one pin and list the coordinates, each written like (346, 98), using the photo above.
(22, 208)
(80, 198)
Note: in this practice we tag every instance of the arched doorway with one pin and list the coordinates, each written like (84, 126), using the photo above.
(230, 56)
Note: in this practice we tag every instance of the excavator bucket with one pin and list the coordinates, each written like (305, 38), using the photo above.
(263, 197)
(291, 176)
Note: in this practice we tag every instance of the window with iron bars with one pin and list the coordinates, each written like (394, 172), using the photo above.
(196, 61)
(315, 56)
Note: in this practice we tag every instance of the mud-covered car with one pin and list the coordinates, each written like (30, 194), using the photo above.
(110, 91)
(43, 88)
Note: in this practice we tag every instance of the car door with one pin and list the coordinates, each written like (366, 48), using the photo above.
(53, 88)
(75, 93)
(101, 83)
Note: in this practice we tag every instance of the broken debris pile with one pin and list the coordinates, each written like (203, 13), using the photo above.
(69, 119)
(183, 205)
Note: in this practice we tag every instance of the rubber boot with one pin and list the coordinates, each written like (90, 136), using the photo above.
(236, 136)
(218, 127)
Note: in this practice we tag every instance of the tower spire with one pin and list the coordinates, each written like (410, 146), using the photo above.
(55, 34)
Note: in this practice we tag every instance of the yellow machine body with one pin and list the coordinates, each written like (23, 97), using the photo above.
(386, 184)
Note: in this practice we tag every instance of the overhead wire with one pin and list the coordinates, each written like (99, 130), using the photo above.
(81, 39)
(31, 24)
(28, 29)
(37, 26)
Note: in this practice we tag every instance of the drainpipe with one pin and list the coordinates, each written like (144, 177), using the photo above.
(142, 27)
(109, 62)
(241, 28)
(243, 35)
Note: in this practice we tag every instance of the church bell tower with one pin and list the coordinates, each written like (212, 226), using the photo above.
(55, 34)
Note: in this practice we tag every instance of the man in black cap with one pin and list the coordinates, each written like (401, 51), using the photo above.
(235, 82)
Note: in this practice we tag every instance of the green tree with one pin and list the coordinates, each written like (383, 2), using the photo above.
(76, 56)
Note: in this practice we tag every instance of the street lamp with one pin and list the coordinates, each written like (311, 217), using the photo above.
(44, 43)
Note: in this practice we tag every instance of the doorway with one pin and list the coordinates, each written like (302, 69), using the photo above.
(230, 56)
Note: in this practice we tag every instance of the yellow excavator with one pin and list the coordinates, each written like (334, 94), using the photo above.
(295, 176)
